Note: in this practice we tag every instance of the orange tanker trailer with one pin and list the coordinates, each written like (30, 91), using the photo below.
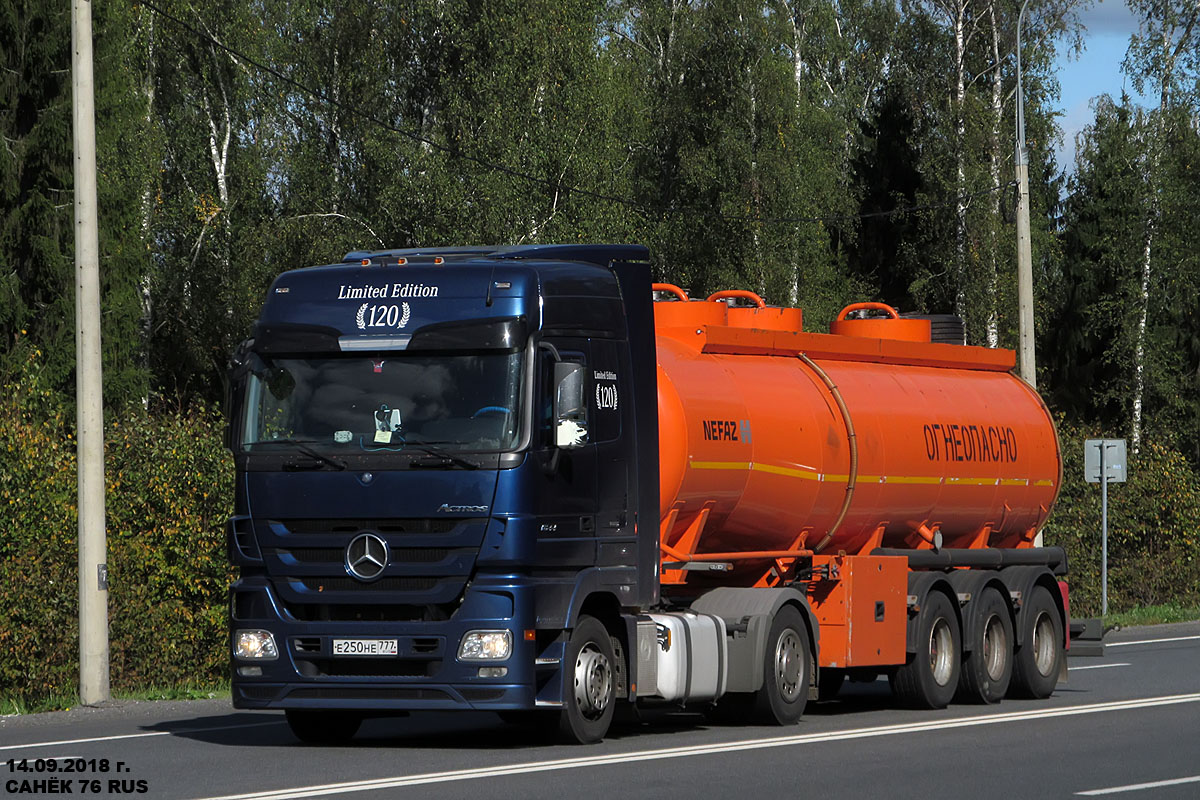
(901, 481)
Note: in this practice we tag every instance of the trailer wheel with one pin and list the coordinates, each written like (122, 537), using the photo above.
(987, 671)
(786, 666)
(930, 676)
(590, 689)
(323, 727)
(1035, 672)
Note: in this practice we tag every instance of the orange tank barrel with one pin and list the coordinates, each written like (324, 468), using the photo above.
(758, 426)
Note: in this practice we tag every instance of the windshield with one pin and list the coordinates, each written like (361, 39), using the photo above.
(368, 403)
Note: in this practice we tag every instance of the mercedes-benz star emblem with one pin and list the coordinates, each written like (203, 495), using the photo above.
(366, 556)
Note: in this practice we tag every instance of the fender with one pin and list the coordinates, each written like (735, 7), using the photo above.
(920, 584)
(592, 586)
(754, 610)
(1022, 580)
(557, 605)
(973, 582)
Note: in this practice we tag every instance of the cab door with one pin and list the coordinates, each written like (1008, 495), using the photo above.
(565, 500)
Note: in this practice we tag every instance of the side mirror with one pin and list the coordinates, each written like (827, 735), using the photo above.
(570, 406)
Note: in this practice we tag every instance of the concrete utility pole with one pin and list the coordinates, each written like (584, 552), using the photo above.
(93, 572)
(1024, 255)
(1024, 247)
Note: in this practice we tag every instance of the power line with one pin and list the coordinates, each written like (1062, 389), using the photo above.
(565, 189)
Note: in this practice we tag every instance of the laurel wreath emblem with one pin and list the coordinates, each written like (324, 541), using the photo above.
(404, 315)
(360, 317)
(600, 401)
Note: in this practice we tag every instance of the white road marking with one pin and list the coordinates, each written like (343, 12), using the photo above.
(1151, 641)
(180, 732)
(1137, 787)
(1098, 666)
(700, 750)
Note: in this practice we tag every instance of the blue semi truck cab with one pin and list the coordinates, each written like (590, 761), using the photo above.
(447, 488)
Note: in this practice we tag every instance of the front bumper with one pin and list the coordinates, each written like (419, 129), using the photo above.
(425, 674)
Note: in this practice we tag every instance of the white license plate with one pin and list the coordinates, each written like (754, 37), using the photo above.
(365, 647)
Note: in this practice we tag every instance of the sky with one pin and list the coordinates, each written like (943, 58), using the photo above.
(1094, 72)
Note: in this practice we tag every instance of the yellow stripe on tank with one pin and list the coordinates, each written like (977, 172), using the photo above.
(919, 479)
(810, 475)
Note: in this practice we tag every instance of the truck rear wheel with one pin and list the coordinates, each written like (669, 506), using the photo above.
(1039, 659)
(590, 687)
(786, 670)
(930, 676)
(987, 670)
(323, 727)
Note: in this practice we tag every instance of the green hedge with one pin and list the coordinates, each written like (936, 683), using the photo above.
(1153, 529)
(170, 485)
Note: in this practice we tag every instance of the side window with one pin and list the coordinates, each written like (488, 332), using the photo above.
(605, 392)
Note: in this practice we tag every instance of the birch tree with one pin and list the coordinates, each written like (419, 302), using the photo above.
(1164, 56)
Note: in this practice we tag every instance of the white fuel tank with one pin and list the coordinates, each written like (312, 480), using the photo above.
(691, 656)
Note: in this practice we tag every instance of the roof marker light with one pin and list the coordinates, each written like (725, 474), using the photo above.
(439, 260)
(366, 262)
(400, 262)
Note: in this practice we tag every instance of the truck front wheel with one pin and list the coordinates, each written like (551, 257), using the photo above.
(786, 670)
(590, 689)
(323, 727)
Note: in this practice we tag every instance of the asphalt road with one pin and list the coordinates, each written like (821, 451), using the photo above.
(1125, 725)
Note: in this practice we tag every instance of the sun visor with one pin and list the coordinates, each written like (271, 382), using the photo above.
(472, 334)
(278, 338)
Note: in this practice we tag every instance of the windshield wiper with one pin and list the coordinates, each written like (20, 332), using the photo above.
(302, 446)
(444, 457)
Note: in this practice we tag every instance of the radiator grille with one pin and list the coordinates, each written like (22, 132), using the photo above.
(337, 555)
(355, 585)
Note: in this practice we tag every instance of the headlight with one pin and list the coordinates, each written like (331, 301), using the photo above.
(255, 645)
(485, 646)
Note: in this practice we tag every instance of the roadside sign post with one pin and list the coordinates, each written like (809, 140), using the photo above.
(1104, 461)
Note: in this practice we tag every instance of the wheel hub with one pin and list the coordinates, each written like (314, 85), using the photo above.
(1043, 643)
(995, 648)
(789, 668)
(593, 681)
(941, 652)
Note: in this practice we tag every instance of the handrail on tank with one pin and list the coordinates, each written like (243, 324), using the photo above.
(680, 294)
(851, 437)
(891, 312)
(740, 293)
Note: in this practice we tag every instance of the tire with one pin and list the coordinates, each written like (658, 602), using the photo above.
(829, 683)
(987, 670)
(589, 689)
(929, 678)
(323, 727)
(1039, 659)
(787, 665)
